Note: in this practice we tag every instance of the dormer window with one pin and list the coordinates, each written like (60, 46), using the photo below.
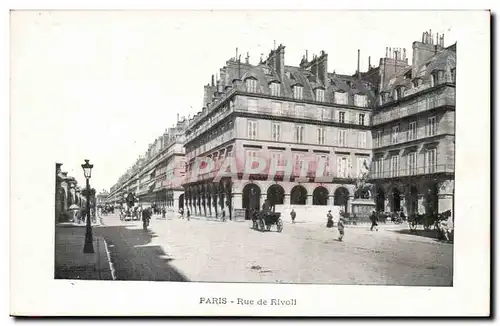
(251, 85)
(360, 100)
(275, 89)
(399, 93)
(298, 92)
(434, 79)
(267, 71)
(453, 75)
(341, 98)
(320, 95)
(417, 82)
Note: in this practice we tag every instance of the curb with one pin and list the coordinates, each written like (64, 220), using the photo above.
(111, 267)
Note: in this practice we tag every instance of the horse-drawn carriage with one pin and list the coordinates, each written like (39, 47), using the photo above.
(265, 219)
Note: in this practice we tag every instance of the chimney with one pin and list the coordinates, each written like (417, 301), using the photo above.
(358, 72)
(177, 117)
(213, 81)
(247, 59)
(307, 56)
(280, 61)
(423, 51)
(323, 68)
(369, 63)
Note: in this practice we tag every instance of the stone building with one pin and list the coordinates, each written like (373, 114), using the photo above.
(413, 129)
(67, 193)
(294, 115)
(155, 178)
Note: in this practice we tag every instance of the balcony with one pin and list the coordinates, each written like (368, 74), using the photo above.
(416, 172)
(213, 143)
(424, 104)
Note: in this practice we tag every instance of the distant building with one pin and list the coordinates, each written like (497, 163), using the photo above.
(413, 129)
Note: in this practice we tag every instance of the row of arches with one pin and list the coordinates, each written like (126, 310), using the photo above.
(399, 201)
(298, 196)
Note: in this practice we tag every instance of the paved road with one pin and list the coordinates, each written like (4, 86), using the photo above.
(213, 251)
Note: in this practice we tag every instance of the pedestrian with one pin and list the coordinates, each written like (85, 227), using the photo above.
(340, 225)
(163, 212)
(188, 213)
(329, 219)
(373, 219)
(293, 215)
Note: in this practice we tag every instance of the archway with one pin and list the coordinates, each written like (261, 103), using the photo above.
(181, 201)
(320, 196)
(412, 203)
(380, 200)
(396, 200)
(298, 195)
(276, 195)
(432, 199)
(340, 197)
(251, 198)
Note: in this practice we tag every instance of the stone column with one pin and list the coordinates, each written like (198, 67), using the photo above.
(349, 204)
(209, 202)
(286, 200)
(215, 199)
(421, 204)
(331, 200)
(309, 200)
(387, 205)
(222, 201)
(403, 203)
(237, 202)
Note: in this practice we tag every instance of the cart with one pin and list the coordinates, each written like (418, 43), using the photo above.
(264, 220)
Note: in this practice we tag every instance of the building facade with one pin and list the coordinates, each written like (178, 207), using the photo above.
(413, 131)
(156, 176)
(392, 126)
(67, 193)
(294, 115)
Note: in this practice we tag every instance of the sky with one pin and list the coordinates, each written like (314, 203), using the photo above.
(102, 85)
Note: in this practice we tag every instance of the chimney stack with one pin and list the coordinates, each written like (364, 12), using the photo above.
(359, 75)
(369, 63)
(307, 56)
(213, 81)
(177, 117)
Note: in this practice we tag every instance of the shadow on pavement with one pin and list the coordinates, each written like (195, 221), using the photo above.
(134, 259)
(432, 234)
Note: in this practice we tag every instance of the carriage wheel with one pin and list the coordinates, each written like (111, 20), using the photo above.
(279, 225)
(254, 225)
(262, 225)
(413, 225)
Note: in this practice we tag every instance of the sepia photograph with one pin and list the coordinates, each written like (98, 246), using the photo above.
(279, 148)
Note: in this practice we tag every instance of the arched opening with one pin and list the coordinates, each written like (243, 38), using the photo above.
(320, 196)
(412, 201)
(251, 198)
(396, 200)
(380, 200)
(276, 195)
(298, 195)
(340, 198)
(181, 201)
(432, 199)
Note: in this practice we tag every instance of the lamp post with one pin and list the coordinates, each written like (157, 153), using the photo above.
(88, 248)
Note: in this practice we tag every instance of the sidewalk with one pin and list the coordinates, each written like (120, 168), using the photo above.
(72, 263)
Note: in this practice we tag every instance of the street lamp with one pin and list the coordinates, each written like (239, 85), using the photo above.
(88, 248)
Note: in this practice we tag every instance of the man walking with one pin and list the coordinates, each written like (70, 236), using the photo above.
(293, 215)
(373, 219)
(340, 225)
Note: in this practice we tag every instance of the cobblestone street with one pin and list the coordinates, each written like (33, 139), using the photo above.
(212, 251)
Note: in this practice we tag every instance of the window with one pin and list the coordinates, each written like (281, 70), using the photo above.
(430, 160)
(251, 85)
(277, 158)
(252, 129)
(412, 163)
(342, 138)
(400, 91)
(277, 108)
(342, 167)
(431, 126)
(412, 130)
(434, 80)
(299, 162)
(275, 89)
(297, 92)
(360, 100)
(342, 117)
(378, 167)
(320, 95)
(340, 98)
(276, 131)
(325, 160)
(362, 139)
(378, 138)
(394, 134)
(361, 119)
(394, 165)
(321, 136)
(251, 158)
(299, 134)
